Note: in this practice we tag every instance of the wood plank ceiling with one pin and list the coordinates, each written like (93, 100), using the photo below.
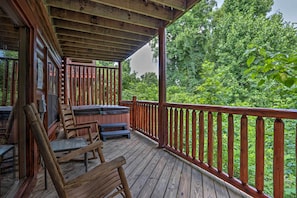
(110, 30)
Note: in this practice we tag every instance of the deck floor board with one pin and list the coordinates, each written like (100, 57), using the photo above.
(151, 172)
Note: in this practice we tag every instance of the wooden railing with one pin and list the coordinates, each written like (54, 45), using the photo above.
(244, 146)
(143, 117)
(90, 84)
(8, 81)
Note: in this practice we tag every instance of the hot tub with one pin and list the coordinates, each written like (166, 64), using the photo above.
(102, 113)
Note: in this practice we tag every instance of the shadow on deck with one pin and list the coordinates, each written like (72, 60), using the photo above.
(151, 172)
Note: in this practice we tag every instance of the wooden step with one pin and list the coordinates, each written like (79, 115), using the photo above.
(110, 126)
(107, 134)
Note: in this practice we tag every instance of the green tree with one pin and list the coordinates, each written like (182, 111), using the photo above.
(186, 41)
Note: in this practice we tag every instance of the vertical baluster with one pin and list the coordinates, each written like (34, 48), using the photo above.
(145, 118)
(100, 85)
(244, 150)
(149, 119)
(181, 129)
(140, 120)
(84, 86)
(166, 127)
(175, 127)
(194, 122)
(114, 87)
(79, 86)
(260, 141)
(110, 86)
(155, 123)
(88, 85)
(201, 136)
(171, 127)
(230, 145)
(104, 86)
(107, 87)
(70, 77)
(278, 159)
(219, 138)
(141, 116)
(75, 85)
(156, 120)
(153, 119)
(93, 90)
(210, 139)
(146, 108)
(96, 85)
(187, 132)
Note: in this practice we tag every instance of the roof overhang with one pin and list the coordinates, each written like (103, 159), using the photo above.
(109, 30)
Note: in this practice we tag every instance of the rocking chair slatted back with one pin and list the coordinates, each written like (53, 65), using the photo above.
(44, 148)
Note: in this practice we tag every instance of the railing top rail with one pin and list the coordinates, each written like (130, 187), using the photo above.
(147, 102)
(92, 66)
(253, 111)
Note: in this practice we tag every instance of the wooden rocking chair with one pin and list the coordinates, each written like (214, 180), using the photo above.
(72, 128)
(107, 179)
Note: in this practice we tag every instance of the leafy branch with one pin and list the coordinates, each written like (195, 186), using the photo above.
(281, 67)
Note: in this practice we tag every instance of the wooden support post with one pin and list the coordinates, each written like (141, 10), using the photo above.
(162, 86)
(27, 159)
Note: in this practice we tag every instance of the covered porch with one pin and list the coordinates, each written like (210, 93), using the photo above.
(56, 43)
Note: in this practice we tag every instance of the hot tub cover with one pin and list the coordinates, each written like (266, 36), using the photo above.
(100, 109)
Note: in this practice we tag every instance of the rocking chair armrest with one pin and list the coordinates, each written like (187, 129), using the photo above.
(98, 172)
(78, 127)
(87, 123)
(77, 152)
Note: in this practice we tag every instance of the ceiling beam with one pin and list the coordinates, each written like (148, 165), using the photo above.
(146, 8)
(98, 37)
(72, 41)
(94, 47)
(89, 56)
(98, 30)
(102, 50)
(176, 4)
(100, 21)
(96, 9)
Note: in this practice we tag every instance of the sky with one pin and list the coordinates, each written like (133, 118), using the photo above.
(287, 7)
(142, 61)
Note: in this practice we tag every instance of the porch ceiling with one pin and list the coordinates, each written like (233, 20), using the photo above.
(110, 30)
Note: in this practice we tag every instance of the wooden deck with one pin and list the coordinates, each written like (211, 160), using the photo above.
(151, 172)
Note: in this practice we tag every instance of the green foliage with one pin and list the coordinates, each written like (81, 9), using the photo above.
(281, 67)
(145, 87)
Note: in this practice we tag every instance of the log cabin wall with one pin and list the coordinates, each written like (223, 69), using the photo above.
(38, 56)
